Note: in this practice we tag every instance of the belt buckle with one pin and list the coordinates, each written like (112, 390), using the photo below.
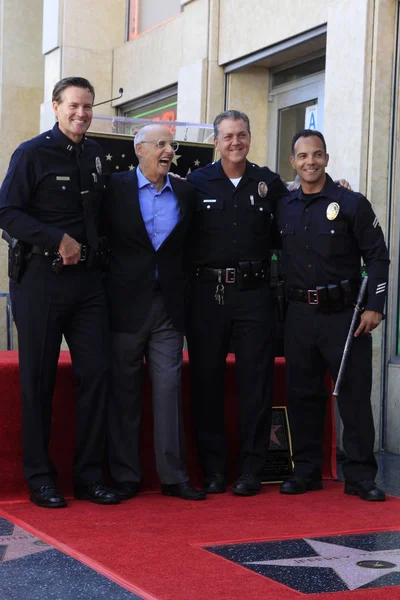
(230, 275)
(312, 297)
(83, 253)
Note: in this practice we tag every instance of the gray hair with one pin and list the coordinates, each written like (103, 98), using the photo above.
(234, 115)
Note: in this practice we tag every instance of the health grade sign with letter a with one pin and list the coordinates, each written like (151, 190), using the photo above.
(311, 119)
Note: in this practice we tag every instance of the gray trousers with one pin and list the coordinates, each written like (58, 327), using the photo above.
(161, 345)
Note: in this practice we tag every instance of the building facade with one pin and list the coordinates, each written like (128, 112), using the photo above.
(331, 64)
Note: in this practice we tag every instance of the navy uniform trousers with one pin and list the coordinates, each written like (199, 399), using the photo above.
(314, 343)
(45, 307)
(247, 321)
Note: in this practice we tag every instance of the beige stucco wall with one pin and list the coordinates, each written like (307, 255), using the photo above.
(89, 31)
(249, 26)
(248, 92)
(359, 62)
(21, 92)
(184, 51)
(140, 76)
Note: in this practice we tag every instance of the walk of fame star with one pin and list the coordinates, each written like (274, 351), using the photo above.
(325, 564)
(19, 544)
(355, 567)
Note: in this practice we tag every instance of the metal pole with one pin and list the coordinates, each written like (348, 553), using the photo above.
(9, 320)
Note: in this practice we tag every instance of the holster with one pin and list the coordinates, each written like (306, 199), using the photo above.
(101, 256)
(337, 297)
(244, 275)
(250, 274)
(281, 300)
(16, 257)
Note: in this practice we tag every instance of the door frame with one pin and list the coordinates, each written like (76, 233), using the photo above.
(290, 94)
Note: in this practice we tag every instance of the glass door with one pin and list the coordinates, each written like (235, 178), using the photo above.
(292, 106)
(290, 120)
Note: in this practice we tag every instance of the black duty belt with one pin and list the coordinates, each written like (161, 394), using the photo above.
(328, 298)
(308, 296)
(44, 252)
(229, 275)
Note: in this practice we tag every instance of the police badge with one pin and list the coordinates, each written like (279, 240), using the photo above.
(332, 211)
(262, 189)
(99, 168)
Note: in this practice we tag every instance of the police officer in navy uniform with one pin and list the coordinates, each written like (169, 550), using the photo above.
(50, 201)
(231, 303)
(326, 232)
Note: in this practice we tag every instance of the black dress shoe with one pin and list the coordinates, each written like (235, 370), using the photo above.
(214, 484)
(96, 492)
(367, 490)
(247, 485)
(126, 489)
(183, 490)
(47, 496)
(300, 485)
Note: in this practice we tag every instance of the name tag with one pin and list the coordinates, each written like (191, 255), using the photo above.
(210, 200)
(63, 178)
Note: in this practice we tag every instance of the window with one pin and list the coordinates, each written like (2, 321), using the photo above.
(160, 106)
(133, 19)
(146, 14)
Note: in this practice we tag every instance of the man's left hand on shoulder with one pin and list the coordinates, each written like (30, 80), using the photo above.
(370, 319)
(344, 184)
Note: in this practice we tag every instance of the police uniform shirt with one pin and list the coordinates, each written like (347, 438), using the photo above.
(233, 223)
(43, 192)
(326, 235)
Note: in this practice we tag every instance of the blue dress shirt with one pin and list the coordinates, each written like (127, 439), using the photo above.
(160, 210)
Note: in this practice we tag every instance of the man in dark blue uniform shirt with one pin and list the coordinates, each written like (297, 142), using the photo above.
(326, 232)
(50, 200)
(231, 303)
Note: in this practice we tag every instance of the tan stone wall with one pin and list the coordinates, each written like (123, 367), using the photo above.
(21, 91)
(357, 115)
(150, 62)
(248, 92)
(254, 24)
(201, 79)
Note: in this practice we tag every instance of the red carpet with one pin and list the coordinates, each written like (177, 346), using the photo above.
(63, 430)
(152, 544)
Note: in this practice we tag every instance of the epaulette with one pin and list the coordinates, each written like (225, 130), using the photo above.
(37, 141)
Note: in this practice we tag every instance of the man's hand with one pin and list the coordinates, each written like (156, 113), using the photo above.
(344, 184)
(176, 176)
(70, 250)
(369, 321)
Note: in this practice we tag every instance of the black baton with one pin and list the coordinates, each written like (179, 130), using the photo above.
(350, 336)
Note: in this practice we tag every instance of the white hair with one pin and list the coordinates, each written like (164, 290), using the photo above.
(140, 136)
(142, 133)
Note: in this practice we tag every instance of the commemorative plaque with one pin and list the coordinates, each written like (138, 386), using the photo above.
(279, 465)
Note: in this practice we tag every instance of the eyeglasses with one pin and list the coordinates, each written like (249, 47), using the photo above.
(162, 144)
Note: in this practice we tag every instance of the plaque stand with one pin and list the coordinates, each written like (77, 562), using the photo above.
(279, 464)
